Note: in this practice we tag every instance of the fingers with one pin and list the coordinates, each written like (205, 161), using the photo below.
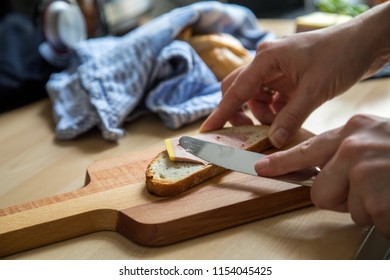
(355, 162)
(369, 196)
(227, 82)
(356, 179)
(289, 120)
(331, 187)
(239, 87)
(361, 190)
(238, 93)
(261, 110)
(358, 211)
(237, 118)
(240, 118)
(314, 152)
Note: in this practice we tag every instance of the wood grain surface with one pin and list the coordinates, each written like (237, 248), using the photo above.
(115, 199)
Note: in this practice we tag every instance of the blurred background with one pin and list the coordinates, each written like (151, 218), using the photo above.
(27, 24)
(262, 8)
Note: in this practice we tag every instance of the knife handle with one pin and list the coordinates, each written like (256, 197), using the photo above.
(305, 177)
(308, 182)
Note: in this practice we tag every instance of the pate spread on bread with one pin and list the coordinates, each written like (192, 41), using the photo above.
(168, 176)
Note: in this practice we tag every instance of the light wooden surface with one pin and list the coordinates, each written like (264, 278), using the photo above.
(33, 165)
(115, 198)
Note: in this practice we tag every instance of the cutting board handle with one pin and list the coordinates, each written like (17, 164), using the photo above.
(111, 185)
(53, 219)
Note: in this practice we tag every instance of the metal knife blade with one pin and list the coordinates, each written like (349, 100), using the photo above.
(239, 160)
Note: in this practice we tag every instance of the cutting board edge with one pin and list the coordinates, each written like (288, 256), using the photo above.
(177, 230)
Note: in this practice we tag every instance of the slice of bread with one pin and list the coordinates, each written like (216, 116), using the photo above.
(167, 178)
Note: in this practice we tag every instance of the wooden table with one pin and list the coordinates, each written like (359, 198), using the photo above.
(34, 165)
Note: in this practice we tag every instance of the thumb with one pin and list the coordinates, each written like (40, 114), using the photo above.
(289, 120)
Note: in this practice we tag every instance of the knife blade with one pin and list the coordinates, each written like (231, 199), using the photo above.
(240, 160)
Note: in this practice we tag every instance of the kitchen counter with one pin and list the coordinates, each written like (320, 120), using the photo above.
(33, 165)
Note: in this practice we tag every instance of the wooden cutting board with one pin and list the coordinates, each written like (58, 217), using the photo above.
(115, 199)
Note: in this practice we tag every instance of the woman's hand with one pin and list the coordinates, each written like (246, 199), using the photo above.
(291, 77)
(355, 169)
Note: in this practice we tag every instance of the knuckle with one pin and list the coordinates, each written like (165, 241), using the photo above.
(304, 150)
(358, 174)
(358, 121)
(275, 160)
(350, 147)
(277, 163)
(304, 147)
(294, 117)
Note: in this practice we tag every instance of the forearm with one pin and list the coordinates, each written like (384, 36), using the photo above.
(377, 21)
(375, 34)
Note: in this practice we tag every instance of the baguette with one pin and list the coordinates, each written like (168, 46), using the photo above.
(221, 52)
(165, 177)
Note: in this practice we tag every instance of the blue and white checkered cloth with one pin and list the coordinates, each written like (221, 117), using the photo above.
(112, 80)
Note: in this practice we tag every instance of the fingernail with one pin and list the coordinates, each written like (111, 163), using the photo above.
(279, 137)
(262, 165)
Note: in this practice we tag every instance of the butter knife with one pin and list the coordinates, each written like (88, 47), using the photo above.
(240, 160)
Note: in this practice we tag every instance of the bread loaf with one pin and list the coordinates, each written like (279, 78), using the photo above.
(221, 52)
(165, 177)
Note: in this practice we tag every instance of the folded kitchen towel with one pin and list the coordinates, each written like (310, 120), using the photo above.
(112, 80)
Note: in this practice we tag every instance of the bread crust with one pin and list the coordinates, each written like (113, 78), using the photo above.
(166, 187)
(221, 52)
